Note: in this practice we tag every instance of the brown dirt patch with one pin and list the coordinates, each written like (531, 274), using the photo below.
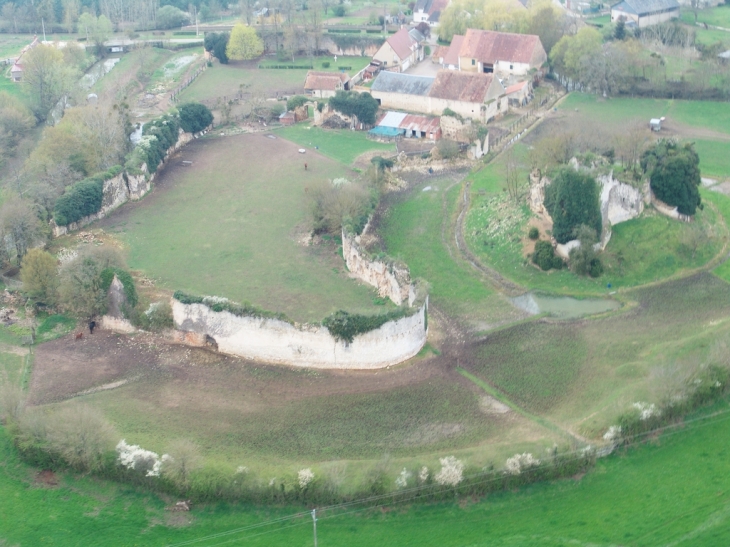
(46, 478)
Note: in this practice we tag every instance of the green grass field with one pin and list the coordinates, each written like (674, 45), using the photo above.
(227, 80)
(339, 144)
(412, 231)
(718, 16)
(672, 491)
(241, 218)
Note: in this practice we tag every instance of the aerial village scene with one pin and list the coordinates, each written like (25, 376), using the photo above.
(355, 273)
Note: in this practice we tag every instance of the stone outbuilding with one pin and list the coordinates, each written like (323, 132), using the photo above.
(502, 53)
(326, 84)
(644, 13)
(475, 96)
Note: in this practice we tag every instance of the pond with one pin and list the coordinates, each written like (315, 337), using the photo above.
(563, 307)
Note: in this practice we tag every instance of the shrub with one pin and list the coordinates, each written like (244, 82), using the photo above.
(533, 233)
(450, 113)
(83, 199)
(325, 64)
(674, 173)
(170, 17)
(345, 326)
(81, 435)
(339, 11)
(583, 259)
(334, 205)
(352, 103)
(545, 258)
(157, 137)
(216, 44)
(381, 163)
(296, 102)
(194, 117)
(39, 273)
(572, 199)
(447, 148)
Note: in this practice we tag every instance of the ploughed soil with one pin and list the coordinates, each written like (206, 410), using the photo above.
(66, 367)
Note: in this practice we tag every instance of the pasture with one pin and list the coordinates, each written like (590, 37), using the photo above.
(228, 80)
(679, 480)
(234, 222)
(339, 144)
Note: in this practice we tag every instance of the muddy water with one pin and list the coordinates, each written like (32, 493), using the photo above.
(562, 307)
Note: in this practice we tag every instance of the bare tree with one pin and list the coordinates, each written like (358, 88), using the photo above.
(20, 225)
(185, 458)
(81, 435)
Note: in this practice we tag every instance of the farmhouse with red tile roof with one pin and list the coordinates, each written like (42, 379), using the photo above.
(503, 53)
(477, 96)
(326, 84)
(399, 52)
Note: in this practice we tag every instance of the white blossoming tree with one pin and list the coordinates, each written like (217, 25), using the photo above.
(305, 477)
(451, 472)
(519, 463)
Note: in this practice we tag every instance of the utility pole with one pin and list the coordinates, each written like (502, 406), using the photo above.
(314, 523)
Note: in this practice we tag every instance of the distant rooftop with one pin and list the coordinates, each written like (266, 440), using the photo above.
(395, 82)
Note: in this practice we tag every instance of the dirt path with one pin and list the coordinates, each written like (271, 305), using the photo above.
(674, 128)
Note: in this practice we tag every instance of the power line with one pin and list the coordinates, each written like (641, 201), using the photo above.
(410, 494)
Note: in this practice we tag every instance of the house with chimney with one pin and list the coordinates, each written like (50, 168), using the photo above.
(429, 11)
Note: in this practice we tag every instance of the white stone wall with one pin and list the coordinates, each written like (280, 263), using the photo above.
(306, 345)
(391, 280)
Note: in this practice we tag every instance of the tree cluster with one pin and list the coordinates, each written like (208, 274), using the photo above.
(540, 18)
(674, 174)
(217, 43)
(244, 44)
(194, 117)
(352, 103)
(572, 199)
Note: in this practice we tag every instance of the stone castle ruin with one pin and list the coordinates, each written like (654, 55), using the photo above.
(312, 345)
(619, 202)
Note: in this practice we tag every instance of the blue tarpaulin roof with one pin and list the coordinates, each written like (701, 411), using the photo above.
(387, 131)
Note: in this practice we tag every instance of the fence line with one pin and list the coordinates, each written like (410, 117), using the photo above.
(174, 94)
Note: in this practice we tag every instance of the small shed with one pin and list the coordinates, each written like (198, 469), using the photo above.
(16, 73)
(288, 118)
(655, 124)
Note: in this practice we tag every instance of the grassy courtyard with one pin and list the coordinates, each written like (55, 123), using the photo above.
(231, 225)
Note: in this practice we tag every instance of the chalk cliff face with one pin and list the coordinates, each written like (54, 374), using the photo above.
(307, 345)
(120, 189)
(390, 279)
(619, 202)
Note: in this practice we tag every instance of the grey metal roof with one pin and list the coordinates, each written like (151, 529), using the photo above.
(394, 82)
(645, 7)
(416, 35)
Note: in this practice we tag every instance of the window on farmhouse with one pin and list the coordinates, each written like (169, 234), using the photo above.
(473, 62)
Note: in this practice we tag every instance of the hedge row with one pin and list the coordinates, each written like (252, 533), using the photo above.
(301, 67)
(83, 198)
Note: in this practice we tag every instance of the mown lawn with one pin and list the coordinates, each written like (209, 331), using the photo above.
(339, 144)
(670, 491)
(714, 157)
(230, 225)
